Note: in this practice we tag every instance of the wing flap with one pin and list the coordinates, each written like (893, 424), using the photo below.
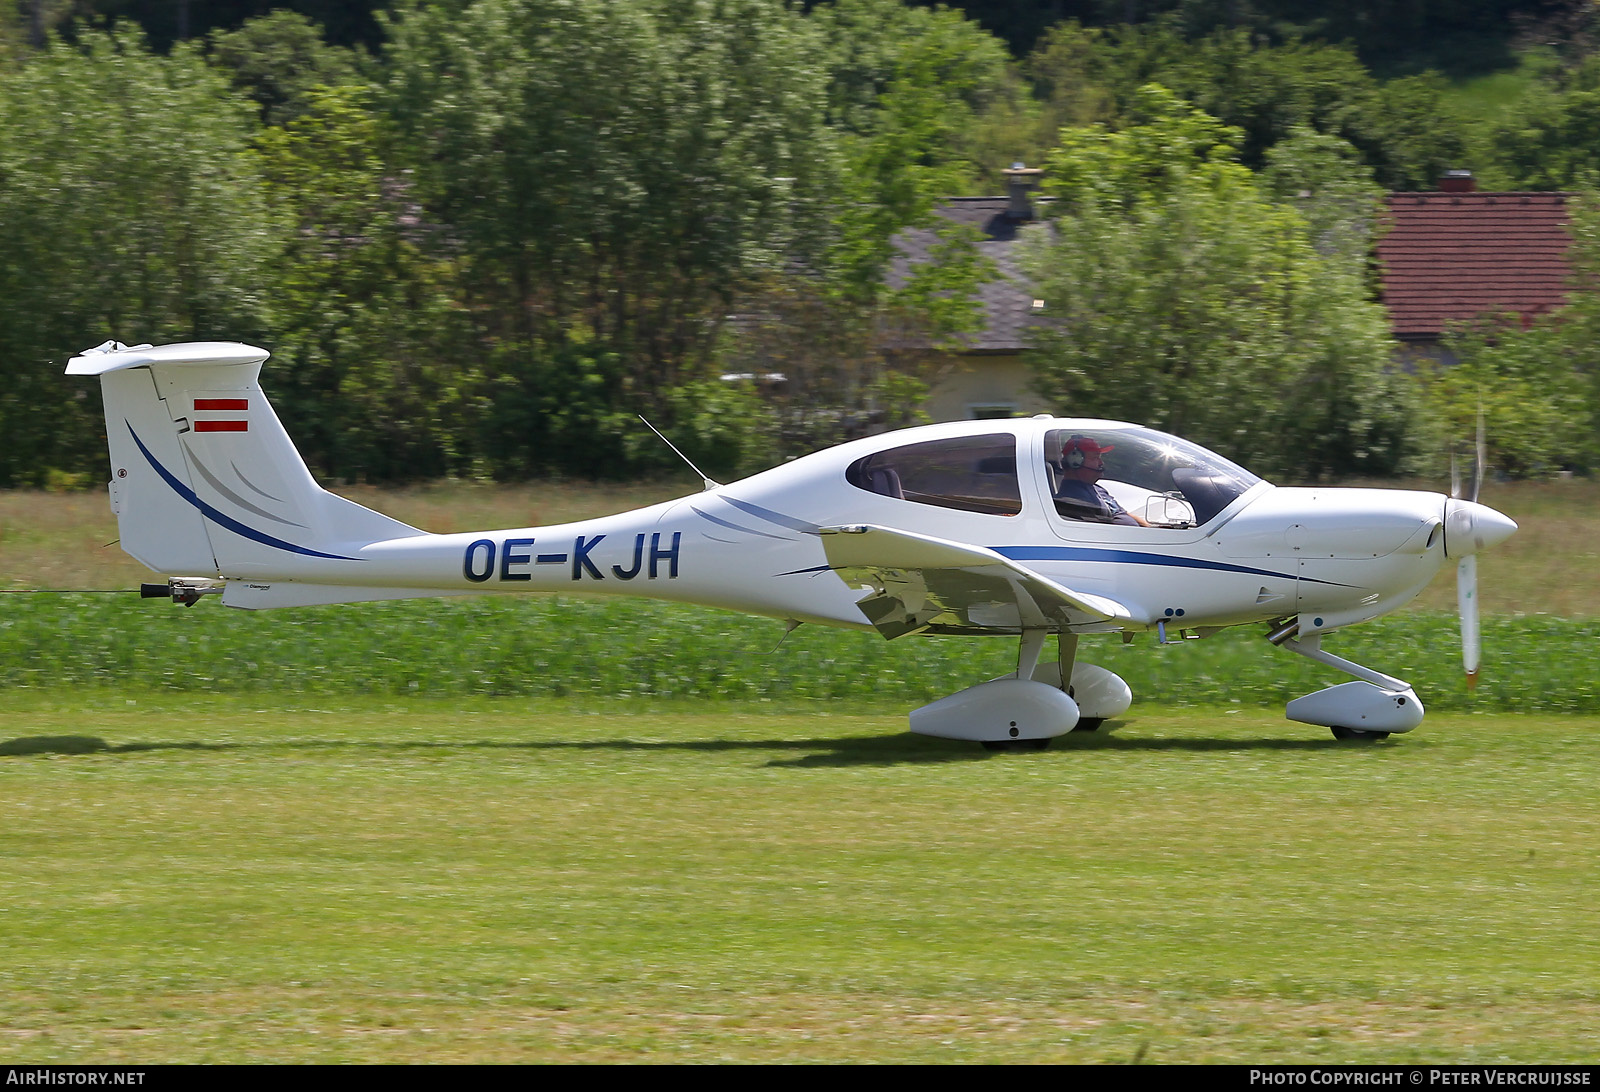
(919, 582)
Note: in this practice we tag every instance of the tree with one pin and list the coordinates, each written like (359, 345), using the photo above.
(130, 208)
(1581, 323)
(1547, 140)
(1538, 412)
(1269, 91)
(278, 60)
(915, 95)
(373, 357)
(1324, 180)
(165, 22)
(614, 177)
(842, 357)
(1178, 294)
(626, 185)
(1410, 131)
(910, 92)
(1407, 129)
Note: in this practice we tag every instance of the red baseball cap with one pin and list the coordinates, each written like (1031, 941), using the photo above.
(1086, 444)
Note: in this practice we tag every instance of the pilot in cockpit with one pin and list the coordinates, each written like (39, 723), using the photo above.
(1079, 494)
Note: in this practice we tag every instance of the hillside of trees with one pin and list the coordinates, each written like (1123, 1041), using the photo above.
(481, 237)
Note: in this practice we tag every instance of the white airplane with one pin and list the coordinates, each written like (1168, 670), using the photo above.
(1025, 527)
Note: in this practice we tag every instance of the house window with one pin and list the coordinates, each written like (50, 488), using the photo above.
(967, 473)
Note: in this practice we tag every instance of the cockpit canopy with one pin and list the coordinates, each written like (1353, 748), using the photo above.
(1166, 481)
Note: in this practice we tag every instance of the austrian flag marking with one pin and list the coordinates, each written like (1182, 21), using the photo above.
(226, 405)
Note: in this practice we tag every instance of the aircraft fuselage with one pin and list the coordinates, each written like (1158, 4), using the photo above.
(752, 546)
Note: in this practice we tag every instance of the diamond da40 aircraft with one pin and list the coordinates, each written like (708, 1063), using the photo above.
(1025, 527)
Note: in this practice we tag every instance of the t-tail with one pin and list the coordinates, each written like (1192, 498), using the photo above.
(209, 491)
(205, 482)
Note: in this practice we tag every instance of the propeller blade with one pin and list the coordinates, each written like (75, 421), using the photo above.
(1467, 604)
(1482, 453)
(1455, 477)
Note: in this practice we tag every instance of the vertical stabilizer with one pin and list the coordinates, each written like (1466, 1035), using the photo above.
(204, 479)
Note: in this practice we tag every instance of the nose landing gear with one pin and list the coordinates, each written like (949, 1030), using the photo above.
(1368, 710)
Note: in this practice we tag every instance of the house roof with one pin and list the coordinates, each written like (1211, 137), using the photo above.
(1005, 302)
(1446, 258)
(1451, 257)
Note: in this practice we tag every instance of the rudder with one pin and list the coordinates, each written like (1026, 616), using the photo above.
(205, 480)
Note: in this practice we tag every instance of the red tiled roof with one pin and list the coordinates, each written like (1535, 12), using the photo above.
(1451, 257)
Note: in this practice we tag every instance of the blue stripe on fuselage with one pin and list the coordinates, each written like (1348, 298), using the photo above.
(735, 526)
(221, 518)
(770, 516)
(1135, 557)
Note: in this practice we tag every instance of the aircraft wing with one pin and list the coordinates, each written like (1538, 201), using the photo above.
(920, 583)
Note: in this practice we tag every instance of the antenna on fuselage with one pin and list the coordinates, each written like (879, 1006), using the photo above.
(709, 484)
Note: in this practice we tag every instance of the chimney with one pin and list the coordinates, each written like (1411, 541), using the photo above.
(1020, 181)
(1457, 180)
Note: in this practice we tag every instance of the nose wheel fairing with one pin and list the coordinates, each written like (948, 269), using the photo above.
(1373, 707)
(1359, 707)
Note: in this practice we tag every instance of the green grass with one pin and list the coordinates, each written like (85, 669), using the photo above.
(566, 830)
(635, 654)
(218, 878)
(1484, 96)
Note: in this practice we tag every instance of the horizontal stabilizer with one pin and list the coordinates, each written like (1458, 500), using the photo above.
(115, 357)
(923, 583)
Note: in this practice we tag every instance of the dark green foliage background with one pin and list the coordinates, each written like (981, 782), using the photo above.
(481, 237)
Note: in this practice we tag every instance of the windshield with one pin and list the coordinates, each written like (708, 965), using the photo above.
(1138, 476)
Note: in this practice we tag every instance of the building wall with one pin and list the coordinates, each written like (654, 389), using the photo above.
(965, 387)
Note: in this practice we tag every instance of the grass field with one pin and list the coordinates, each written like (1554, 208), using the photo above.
(214, 879)
(557, 830)
(630, 654)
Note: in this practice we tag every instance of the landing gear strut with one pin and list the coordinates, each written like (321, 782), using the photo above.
(1067, 660)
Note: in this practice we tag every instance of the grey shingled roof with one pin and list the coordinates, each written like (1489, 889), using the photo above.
(1007, 300)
